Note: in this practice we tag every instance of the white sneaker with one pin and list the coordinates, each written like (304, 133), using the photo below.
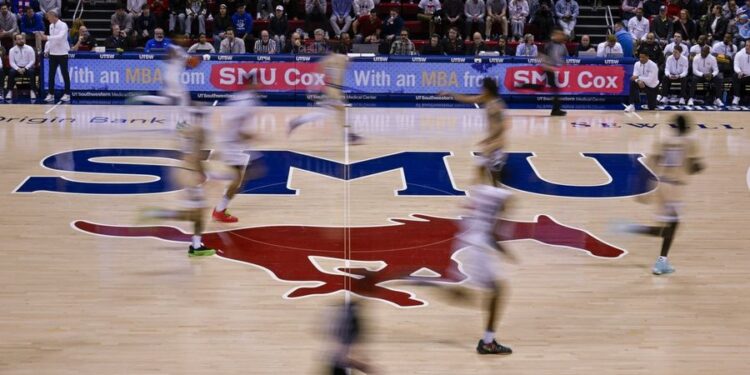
(736, 101)
(630, 108)
(718, 102)
(49, 98)
(664, 100)
(659, 98)
(65, 98)
(32, 95)
(682, 101)
(8, 96)
(690, 102)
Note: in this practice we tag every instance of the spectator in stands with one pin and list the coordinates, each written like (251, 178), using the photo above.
(686, 26)
(135, 7)
(222, 22)
(85, 41)
(319, 46)
(662, 26)
(231, 44)
(18, 7)
(609, 48)
(453, 12)
(741, 77)
(585, 45)
(177, 12)
(652, 49)
(242, 24)
(519, 12)
(433, 47)
(231, 5)
(203, 46)
(724, 52)
(651, 8)
(638, 25)
(391, 30)
(21, 59)
(341, 21)
(265, 9)
(279, 27)
(8, 23)
(73, 31)
(567, 15)
(367, 28)
(122, 19)
(706, 71)
(145, 25)
(730, 9)
(716, 25)
(677, 41)
(265, 45)
(196, 9)
(645, 78)
(46, 6)
(344, 46)
(57, 48)
(453, 44)
(625, 40)
(543, 21)
(497, 13)
(477, 45)
(158, 43)
(502, 46)
(160, 10)
(115, 42)
(527, 48)
(675, 70)
(315, 13)
(402, 45)
(698, 46)
(295, 45)
(429, 13)
(629, 7)
(691, 6)
(32, 26)
(475, 12)
(362, 8)
(742, 30)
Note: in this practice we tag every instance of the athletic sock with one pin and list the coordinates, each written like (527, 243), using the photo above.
(489, 336)
(196, 242)
(662, 259)
(223, 203)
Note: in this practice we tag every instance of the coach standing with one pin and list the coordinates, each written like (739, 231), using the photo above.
(57, 48)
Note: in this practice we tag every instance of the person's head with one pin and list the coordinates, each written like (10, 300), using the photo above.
(677, 52)
(202, 38)
(650, 38)
(345, 38)
(373, 14)
(743, 19)
(705, 50)
(279, 11)
(434, 40)
(453, 33)
(120, 10)
(229, 33)
(394, 12)
(643, 57)
(29, 12)
(52, 16)
(115, 30)
(585, 40)
(223, 10)
(477, 38)
(677, 38)
(264, 35)
(558, 35)
(716, 10)
(4, 9)
(404, 35)
(319, 35)
(639, 14)
(732, 5)
(83, 31)
(728, 37)
(618, 26)
(681, 124)
(241, 9)
(20, 39)
(501, 42)
(662, 11)
(701, 40)
(747, 46)
(146, 10)
(611, 40)
(489, 87)
(684, 16)
(159, 34)
(295, 38)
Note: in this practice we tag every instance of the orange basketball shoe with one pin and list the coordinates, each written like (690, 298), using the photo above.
(223, 217)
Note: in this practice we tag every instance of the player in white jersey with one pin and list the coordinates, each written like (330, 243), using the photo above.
(241, 107)
(174, 91)
(192, 138)
(333, 103)
(673, 159)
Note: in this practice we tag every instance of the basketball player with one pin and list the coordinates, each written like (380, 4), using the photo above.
(192, 139)
(241, 109)
(173, 92)
(333, 102)
(672, 160)
(347, 331)
(493, 156)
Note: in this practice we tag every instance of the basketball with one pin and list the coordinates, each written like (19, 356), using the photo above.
(192, 62)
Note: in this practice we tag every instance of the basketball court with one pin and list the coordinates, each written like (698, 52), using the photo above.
(87, 288)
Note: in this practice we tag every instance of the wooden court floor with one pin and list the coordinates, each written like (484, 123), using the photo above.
(73, 302)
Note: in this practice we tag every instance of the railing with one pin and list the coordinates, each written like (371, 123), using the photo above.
(78, 13)
(609, 20)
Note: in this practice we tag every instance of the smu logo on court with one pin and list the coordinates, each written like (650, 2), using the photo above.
(423, 173)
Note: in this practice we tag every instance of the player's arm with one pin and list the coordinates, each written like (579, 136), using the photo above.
(695, 162)
(468, 99)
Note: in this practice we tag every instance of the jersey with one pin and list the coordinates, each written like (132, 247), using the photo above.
(485, 204)
(242, 105)
(334, 67)
(493, 156)
(173, 86)
(673, 158)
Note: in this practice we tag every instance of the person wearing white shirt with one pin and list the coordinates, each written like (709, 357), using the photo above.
(527, 48)
(57, 48)
(741, 77)
(706, 70)
(645, 78)
(677, 41)
(675, 70)
(698, 46)
(21, 59)
(638, 25)
(724, 52)
(610, 48)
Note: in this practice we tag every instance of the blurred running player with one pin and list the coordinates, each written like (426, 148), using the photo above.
(241, 107)
(347, 333)
(192, 138)
(673, 159)
(333, 102)
(493, 156)
(174, 91)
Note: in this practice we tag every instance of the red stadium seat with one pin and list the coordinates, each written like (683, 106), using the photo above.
(384, 9)
(409, 11)
(414, 27)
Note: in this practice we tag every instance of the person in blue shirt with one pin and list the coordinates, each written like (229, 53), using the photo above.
(625, 40)
(242, 21)
(158, 43)
(19, 6)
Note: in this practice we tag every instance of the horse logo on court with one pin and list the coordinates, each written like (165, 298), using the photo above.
(317, 257)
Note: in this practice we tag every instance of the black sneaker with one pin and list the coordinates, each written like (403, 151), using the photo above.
(202, 251)
(492, 348)
(558, 112)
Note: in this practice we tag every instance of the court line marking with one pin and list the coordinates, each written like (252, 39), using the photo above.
(53, 107)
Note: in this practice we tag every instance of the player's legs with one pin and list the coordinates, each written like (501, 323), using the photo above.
(220, 213)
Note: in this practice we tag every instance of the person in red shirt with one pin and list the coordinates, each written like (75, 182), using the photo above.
(160, 10)
(367, 28)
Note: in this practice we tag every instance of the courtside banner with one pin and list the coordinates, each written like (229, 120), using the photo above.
(367, 78)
